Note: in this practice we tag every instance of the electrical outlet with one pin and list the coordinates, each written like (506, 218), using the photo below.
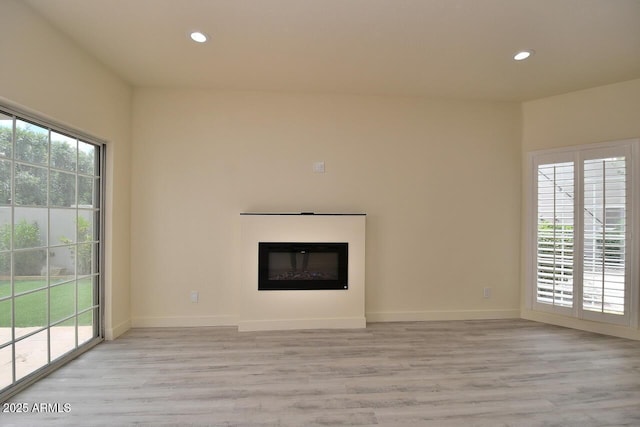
(486, 292)
(194, 296)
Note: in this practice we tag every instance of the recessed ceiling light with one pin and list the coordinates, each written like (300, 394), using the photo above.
(198, 37)
(523, 54)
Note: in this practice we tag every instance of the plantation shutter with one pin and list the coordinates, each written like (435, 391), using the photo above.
(582, 262)
(555, 243)
(605, 220)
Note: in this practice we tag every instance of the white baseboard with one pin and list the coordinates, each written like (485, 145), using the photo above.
(290, 324)
(583, 325)
(182, 321)
(419, 316)
(111, 334)
(358, 323)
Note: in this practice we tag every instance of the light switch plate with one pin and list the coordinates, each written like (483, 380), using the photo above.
(318, 167)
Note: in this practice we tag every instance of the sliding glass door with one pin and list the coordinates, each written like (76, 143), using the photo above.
(50, 245)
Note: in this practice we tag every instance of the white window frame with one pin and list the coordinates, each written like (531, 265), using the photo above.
(577, 155)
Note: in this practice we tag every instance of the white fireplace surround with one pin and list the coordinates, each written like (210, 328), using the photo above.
(302, 309)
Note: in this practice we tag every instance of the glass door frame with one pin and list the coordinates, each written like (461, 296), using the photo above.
(97, 277)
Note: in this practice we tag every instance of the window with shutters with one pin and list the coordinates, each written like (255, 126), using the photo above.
(581, 232)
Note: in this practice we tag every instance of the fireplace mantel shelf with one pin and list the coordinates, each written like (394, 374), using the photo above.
(303, 213)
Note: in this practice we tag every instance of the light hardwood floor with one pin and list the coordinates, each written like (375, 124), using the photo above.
(472, 373)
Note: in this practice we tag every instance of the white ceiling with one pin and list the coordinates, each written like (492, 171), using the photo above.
(441, 48)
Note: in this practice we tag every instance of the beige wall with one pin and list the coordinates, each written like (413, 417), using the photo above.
(439, 181)
(44, 72)
(604, 113)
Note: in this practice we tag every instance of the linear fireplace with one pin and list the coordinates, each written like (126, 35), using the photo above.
(261, 310)
(302, 266)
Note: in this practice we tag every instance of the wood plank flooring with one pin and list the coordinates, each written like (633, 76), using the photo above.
(471, 373)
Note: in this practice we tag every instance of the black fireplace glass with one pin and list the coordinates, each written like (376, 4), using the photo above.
(302, 266)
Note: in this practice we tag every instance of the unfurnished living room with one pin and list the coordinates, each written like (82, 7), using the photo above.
(320, 212)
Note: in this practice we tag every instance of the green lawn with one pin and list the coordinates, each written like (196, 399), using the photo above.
(31, 309)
